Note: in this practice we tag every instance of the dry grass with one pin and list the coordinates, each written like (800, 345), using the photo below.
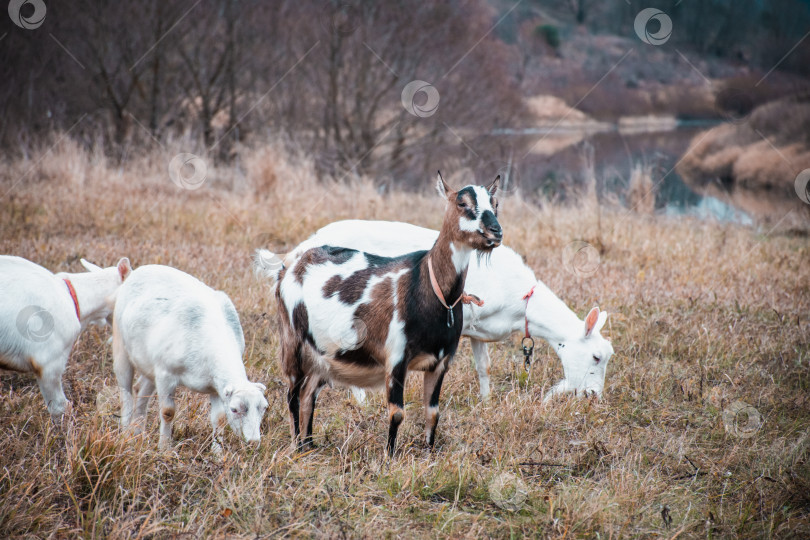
(704, 314)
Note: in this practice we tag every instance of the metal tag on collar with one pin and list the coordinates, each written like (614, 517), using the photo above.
(528, 350)
(450, 320)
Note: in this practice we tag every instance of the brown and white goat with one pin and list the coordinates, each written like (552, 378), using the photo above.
(353, 318)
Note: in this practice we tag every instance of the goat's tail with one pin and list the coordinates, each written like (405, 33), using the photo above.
(267, 264)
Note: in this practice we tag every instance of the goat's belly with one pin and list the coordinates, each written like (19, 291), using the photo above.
(345, 372)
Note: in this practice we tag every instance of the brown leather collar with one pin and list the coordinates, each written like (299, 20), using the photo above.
(463, 298)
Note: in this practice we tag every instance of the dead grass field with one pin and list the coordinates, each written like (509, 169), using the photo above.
(703, 315)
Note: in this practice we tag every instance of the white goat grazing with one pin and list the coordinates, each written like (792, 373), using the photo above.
(176, 331)
(361, 320)
(42, 314)
(502, 281)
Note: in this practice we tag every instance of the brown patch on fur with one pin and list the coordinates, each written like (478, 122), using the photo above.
(395, 413)
(330, 288)
(311, 256)
(377, 316)
(423, 362)
(300, 320)
(36, 369)
(167, 413)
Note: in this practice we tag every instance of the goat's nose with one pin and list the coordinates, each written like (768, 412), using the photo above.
(495, 229)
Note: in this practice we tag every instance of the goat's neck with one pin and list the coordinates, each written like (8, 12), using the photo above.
(228, 373)
(550, 318)
(450, 261)
(92, 294)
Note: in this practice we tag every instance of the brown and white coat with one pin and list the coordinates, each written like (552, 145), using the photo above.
(356, 319)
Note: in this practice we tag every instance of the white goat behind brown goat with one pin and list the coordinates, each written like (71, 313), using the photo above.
(42, 315)
(502, 281)
(174, 331)
(358, 319)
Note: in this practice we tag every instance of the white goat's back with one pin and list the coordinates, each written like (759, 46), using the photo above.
(170, 318)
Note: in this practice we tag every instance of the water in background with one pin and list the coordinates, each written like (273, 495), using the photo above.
(554, 167)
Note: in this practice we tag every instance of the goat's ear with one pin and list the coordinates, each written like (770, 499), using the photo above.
(260, 386)
(228, 391)
(124, 268)
(493, 187)
(590, 321)
(90, 267)
(442, 187)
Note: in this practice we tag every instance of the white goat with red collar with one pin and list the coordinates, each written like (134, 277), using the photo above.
(502, 281)
(42, 314)
(174, 331)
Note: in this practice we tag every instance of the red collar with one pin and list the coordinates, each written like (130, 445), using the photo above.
(73, 297)
(526, 313)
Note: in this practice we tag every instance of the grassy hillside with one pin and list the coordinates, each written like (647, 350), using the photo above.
(703, 315)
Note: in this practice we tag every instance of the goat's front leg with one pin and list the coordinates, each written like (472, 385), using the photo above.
(432, 386)
(481, 355)
(49, 377)
(395, 383)
(218, 421)
(165, 390)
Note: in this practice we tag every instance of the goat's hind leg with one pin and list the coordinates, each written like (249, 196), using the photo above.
(124, 374)
(306, 413)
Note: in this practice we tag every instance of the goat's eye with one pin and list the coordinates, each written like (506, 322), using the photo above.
(597, 359)
(234, 410)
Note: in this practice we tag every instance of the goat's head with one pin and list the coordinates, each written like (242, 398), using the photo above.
(244, 406)
(585, 356)
(472, 213)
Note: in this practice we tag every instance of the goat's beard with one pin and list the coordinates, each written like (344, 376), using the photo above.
(484, 256)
